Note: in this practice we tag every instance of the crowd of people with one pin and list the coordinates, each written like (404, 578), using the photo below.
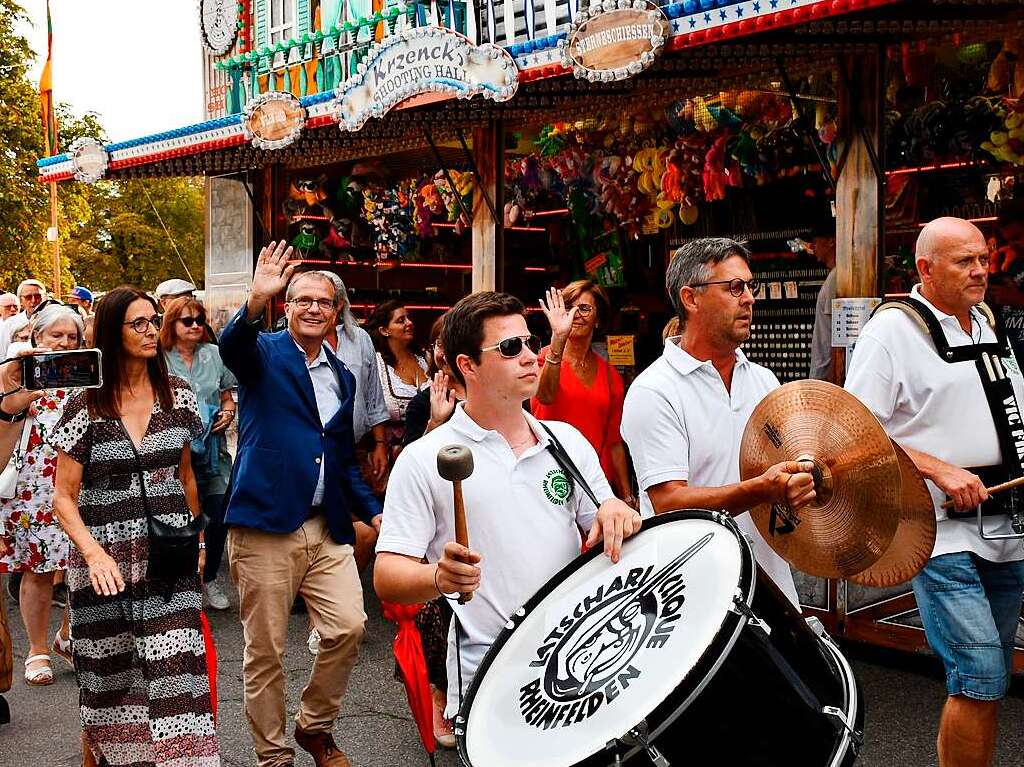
(129, 494)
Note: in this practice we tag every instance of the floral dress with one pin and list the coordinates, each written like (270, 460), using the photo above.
(140, 656)
(32, 539)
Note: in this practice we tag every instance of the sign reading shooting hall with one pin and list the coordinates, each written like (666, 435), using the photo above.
(423, 60)
(614, 40)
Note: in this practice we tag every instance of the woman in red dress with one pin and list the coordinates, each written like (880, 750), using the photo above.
(578, 386)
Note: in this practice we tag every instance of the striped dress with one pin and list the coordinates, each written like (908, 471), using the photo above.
(140, 660)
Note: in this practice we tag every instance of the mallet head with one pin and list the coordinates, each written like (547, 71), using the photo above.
(455, 463)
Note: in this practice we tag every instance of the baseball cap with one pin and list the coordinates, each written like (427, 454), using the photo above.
(83, 294)
(175, 287)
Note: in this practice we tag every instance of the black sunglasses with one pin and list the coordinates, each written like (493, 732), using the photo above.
(190, 321)
(510, 348)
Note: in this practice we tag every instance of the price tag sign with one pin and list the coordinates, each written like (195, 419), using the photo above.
(620, 351)
(848, 317)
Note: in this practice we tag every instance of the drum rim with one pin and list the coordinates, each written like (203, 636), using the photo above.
(745, 587)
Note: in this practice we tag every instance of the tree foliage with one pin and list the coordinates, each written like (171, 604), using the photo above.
(23, 200)
(110, 232)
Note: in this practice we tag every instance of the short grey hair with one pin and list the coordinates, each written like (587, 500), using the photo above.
(692, 264)
(51, 315)
(317, 274)
(9, 295)
(15, 325)
(348, 322)
(25, 283)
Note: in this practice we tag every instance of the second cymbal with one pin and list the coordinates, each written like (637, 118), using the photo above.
(853, 521)
(915, 534)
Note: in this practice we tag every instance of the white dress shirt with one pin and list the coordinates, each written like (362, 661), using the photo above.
(934, 406)
(327, 391)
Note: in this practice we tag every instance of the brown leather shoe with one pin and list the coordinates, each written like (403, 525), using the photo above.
(322, 748)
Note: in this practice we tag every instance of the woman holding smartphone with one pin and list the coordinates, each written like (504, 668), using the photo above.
(183, 340)
(32, 542)
(124, 467)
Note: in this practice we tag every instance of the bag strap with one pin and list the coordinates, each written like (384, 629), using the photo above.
(566, 464)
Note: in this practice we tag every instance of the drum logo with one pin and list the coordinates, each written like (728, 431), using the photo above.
(556, 487)
(587, 659)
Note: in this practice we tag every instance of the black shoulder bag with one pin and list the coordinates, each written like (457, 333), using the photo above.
(173, 551)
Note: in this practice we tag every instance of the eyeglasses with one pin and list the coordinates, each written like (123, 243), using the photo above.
(736, 286)
(141, 324)
(583, 310)
(325, 304)
(190, 321)
(510, 348)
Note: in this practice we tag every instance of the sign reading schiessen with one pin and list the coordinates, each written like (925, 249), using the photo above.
(614, 40)
(423, 60)
(590, 656)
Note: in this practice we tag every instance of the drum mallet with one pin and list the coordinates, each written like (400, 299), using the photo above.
(455, 463)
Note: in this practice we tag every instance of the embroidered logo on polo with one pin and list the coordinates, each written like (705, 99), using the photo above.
(588, 658)
(556, 487)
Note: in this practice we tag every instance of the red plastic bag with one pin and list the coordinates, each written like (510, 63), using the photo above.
(211, 662)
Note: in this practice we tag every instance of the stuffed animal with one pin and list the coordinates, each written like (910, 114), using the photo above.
(1006, 75)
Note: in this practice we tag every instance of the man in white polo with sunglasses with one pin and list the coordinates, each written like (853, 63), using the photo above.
(524, 516)
(684, 416)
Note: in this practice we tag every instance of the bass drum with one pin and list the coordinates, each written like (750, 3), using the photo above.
(662, 658)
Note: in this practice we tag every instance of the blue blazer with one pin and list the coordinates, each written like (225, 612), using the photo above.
(281, 439)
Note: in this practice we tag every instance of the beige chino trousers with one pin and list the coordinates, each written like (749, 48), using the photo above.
(269, 570)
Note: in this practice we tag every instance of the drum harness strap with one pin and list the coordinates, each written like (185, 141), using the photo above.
(992, 361)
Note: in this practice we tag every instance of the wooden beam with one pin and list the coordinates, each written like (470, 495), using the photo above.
(488, 234)
(859, 191)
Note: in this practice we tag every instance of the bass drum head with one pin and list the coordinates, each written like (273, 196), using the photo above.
(601, 647)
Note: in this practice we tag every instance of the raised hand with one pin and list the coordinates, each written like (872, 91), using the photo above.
(16, 397)
(274, 269)
(559, 319)
(442, 403)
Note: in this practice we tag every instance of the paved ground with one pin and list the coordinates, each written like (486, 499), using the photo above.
(903, 695)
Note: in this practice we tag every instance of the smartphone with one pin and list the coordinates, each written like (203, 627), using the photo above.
(78, 369)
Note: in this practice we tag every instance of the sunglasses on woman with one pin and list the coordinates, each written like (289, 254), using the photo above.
(510, 348)
(190, 321)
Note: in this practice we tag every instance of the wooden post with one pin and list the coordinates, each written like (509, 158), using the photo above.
(488, 233)
(859, 192)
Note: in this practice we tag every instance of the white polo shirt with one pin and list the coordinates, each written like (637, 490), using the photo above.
(520, 516)
(934, 406)
(681, 424)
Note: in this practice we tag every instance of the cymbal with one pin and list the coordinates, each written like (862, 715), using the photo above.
(915, 533)
(852, 522)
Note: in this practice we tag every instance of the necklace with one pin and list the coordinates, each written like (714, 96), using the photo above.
(518, 445)
(581, 364)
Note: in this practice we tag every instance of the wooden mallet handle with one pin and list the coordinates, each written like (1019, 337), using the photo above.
(994, 489)
(455, 463)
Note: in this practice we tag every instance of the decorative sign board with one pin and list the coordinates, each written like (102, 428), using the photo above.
(218, 21)
(620, 350)
(89, 159)
(273, 120)
(614, 40)
(423, 60)
(848, 317)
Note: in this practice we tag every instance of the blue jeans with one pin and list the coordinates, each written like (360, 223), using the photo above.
(970, 608)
